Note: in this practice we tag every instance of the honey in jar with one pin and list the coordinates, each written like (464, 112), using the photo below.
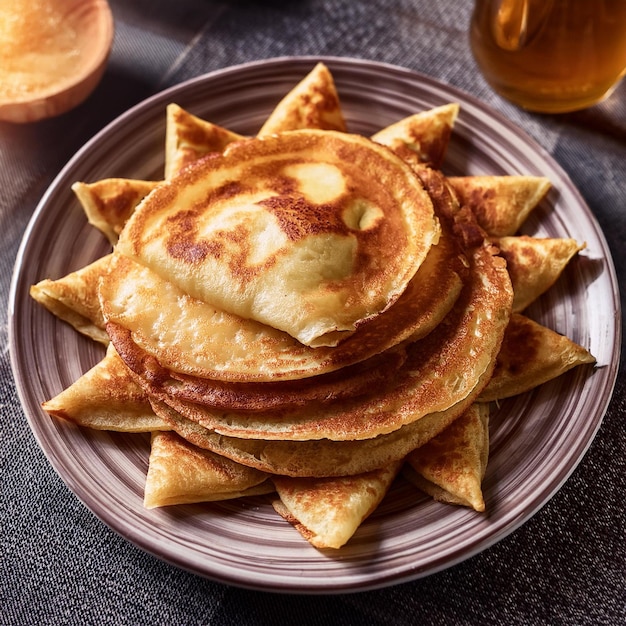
(550, 55)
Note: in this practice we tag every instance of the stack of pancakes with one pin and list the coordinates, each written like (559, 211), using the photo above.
(308, 312)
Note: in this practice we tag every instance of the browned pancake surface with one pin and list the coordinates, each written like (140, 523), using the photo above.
(318, 458)
(290, 230)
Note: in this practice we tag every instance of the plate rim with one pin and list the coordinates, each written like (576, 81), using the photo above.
(154, 100)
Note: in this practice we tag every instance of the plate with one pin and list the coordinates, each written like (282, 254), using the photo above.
(537, 439)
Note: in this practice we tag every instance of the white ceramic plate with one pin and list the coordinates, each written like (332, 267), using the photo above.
(537, 438)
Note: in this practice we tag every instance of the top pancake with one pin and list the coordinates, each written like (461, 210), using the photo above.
(189, 338)
(256, 233)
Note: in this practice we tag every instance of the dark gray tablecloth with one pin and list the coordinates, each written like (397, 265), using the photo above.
(61, 565)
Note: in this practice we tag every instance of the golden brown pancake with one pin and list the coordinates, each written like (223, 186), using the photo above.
(348, 382)
(254, 233)
(451, 466)
(108, 203)
(535, 264)
(180, 473)
(531, 355)
(317, 458)
(186, 337)
(187, 138)
(74, 299)
(425, 134)
(501, 203)
(312, 103)
(106, 398)
(328, 511)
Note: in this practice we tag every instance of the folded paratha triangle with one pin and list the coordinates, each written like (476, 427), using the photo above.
(73, 298)
(188, 138)
(535, 264)
(328, 511)
(451, 466)
(312, 104)
(529, 356)
(108, 203)
(106, 398)
(501, 203)
(181, 473)
(424, 135)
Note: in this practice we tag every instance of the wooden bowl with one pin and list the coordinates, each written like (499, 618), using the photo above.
(53, 55)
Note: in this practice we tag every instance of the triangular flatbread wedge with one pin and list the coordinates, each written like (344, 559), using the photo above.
(328, 511)
(106, 398)
(531, 355)
(501, 203)
(180, 473)
(534, 264)
(312, 104)
(188, 138)
(74, 299)
(451, 466)
(108, 203)
(425, 134)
